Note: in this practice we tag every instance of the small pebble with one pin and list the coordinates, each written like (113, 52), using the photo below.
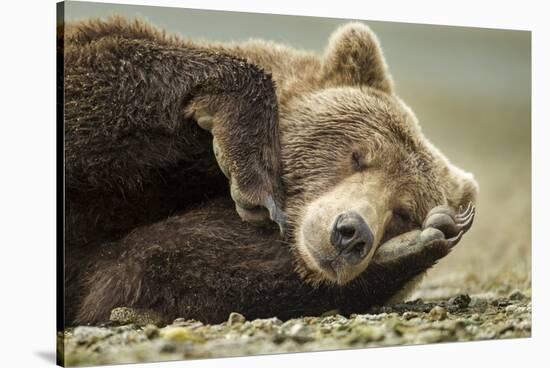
(511, 309)
(167, 347)
(142, 317)
(235, 318)
(437, 313)
(296, 329)
(331, 312)
(191, 323)
(151, 331)
(310, 320)
(517, 295)
(479, 303)
(409, 315)
(501, 302)
(461, 301)
(179, 334)
(376, 317)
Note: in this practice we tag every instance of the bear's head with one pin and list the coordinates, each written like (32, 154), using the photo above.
(357, 168)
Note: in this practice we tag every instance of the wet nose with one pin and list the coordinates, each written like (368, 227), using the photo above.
(352, 237)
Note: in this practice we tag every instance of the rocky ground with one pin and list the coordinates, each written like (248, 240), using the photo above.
(497, 315)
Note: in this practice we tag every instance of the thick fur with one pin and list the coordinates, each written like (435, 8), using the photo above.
(131, 155)
(134, 159)
(169, 267)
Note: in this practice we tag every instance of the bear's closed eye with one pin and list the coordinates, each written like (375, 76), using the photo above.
(358, 161)
(402, 215)
(400, 223)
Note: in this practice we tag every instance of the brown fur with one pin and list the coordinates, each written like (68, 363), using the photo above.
(128, 142)
(133, 158)
(206, 263)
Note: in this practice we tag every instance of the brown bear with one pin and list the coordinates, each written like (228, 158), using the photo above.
(156, 125)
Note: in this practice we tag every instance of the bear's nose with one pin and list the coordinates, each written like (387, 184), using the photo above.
(352, 237)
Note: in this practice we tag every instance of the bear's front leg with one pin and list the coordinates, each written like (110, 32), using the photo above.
(400, 260)
(246, 146)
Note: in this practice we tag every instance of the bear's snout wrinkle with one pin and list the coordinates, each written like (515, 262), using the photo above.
(352, 237)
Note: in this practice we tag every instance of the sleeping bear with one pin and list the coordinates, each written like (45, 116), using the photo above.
(205, 178)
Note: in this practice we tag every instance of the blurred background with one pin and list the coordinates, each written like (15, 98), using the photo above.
(471, 91)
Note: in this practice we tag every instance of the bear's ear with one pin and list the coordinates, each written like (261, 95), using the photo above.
(354, 58)
(461, 188)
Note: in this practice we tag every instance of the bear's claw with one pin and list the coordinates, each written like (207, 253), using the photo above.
(276, 214)
(444, 219)
(454, 241)
(452, 226)
(441, 231)
(260, 215)
(466, 218)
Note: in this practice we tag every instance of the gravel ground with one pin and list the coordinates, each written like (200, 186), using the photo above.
(464, 317)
